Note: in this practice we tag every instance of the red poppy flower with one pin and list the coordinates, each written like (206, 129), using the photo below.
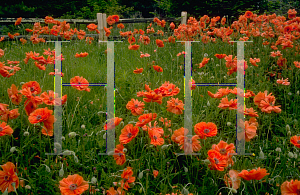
(157, 68)
(119, 155)
(5, 130)
(254, 174)
(7, 177)
(155, 137)
(204, 129)
(80, 83)
(145, 119)
(217, 161)
(232, 179)
(112, 123)
(175, 106)
(73, 185)
(220, 56)
(138, 70)
(14, 94)
(128, 133)
(248, 14)
(151, 96)
(295, 140)
(290, 188)
(81, 55)
(136, 107)
(155, 173)
(159, 43)
(127, 178)
(133, 47)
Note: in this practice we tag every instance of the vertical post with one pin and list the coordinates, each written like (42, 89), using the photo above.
(100, 26)
(104, 25)
(183, 17)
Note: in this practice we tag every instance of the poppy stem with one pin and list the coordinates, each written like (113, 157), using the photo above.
(254, 187)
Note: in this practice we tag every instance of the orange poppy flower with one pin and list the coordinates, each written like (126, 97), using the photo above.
(14, 94)
(120, 26)
(23, 41)
(13, 114)
(128, 133)
(18, 21)
(138, 70)
(29, 106)
(40, 115)
(81, 55)
(49, 98)
(254, 61)
(92, 27)
(112, 123)
(155, 137)
(254, 174)
(119, 155)
(283, 82)
(157, 68)
(232, 179)
(7, 177)
(151, 96)
(168, 89)
(189, 144)
(220, 56)
(159, 43)
(11, 36)
(231, 105)
(136, 107)
(217, 161)
(80, 83)
(290, 188)
(127, 178)
(131, 40)
(5, 130)
(204, 129)
(115, 18)
(155, 173)
(248, 14)
(297, 64)
(165, 121)
(73, 185)
(175, 106)
(295, 140)
(112, 191)
(145, 119)
(33, 86)
(179, 134)
(251, 112)
(204, 62)
(133, 47)
(220, 93)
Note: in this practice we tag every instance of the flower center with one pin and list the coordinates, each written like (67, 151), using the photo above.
(176, 104)
(129, 135)
(1, 129)
(120, 154)
(189, 140)
(31, 89)
(206, 131)
(51, 98)
(143, 120)
(73, 187)
(223, 151)
(154, 137)
(6, 178)
(216, 160)
(38, 117)
(170, 90)
(298, 142)
(136, 105)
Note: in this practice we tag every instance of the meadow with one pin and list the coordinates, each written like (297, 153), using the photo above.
(149, 129)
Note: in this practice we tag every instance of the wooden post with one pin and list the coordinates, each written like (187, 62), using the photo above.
(183, 17)
(100, 26)
(104, 25)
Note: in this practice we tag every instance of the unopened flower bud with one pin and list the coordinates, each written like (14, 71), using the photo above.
(140, 190)
(82, 126)
(295, 155)
(287, 127)
(185, 191)
(289, 133)
(67, 152)
(13, 149)
(104, 136)
(26, 133)
(228, 123)
(278, 149)
(63, 138)
(27, 187)
(75, 159)
(185, 169)
(47, 168)
(233, 190)
(164, 147)
(208, 104)
(72, 134)
(206, 161)
(291, 155)
(261, 155)
(141, 174)
(124, 150)
(61, 172)
(94, 180)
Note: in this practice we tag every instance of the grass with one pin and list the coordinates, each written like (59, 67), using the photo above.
(84, 114)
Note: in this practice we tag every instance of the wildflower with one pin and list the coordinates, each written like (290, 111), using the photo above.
(73, 184)
(8, 177)
(204, 129)
(138, 70)
(290, 187)
(119, 155)
(80, 83)
(145, 119)
(159, 43)
(133, 47)
(151, 96)
(112, 123)
(120, 26)
(283, 82)
(128, 133)
(14, 94)
(175, 106)
(155, 173)
(5, 129)
(127, 178)
(81, 55)
(232, 179)
(92, 27)
(135, 106)
(220, 56)
(155, 137)
(204, 62)
(295, 140)
(254, 174)
(217, 161)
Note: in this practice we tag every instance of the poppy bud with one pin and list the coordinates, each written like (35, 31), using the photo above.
(164, 147)
(185, 191)
(261, 154)
(298, 92)
(141, 175)
(63, 138)
(289, 133)
(47, 168)
(233, 190)
(208, 104)
(82, 126)
(26, 133)
(122, 124)
(295, 155)
(287, 127)
(228, 123)
(61, 172)
(146, 111)
(27, 187)
(57, 145)
(131, 185)
(205, 55)
(5, 192)
(185, 169)
(75, 159)
(217, 64)
(206, 161)
(110, 153)
(94, 180)
(67, 152)
(13, 149)
(140, 190)
(72, 134)
(291, 155)
(278, 149)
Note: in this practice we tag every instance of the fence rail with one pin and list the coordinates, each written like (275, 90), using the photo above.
(101, 21)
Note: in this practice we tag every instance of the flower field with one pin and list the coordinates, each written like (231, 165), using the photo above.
(153, 150)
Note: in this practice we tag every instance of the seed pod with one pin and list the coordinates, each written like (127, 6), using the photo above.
(291, 155)
(141, 174)
(72, 134)
(27, 187)
(61, 172)
(13, 149)
(278, 149)
(287, 127)
(94, 180)
(26, 133)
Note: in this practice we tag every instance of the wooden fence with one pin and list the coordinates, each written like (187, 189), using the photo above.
(101, 21)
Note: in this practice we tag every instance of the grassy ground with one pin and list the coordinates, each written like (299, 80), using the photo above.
(183, 173)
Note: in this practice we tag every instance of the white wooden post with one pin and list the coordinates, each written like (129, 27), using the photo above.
(100, 26)
(104, 25)
(183, 17)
